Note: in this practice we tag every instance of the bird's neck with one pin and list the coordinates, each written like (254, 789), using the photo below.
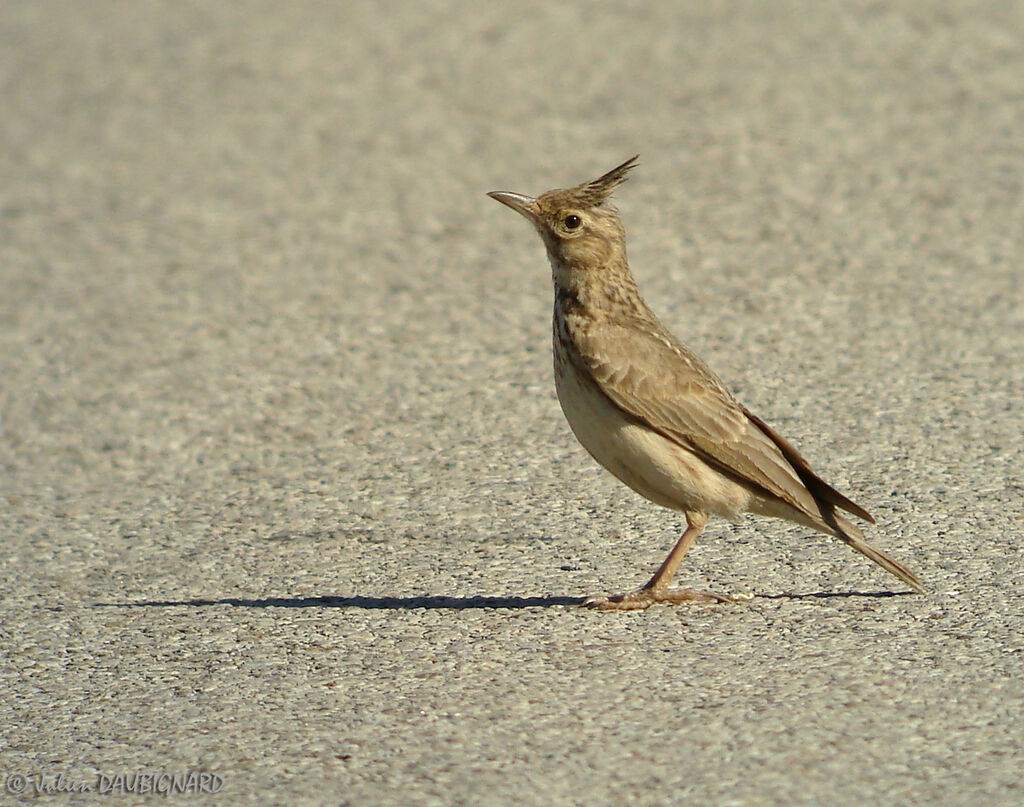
(596, 289)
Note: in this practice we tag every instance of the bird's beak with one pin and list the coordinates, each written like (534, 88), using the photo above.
(524, 205)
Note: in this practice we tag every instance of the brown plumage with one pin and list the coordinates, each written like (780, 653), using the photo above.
(649, 410)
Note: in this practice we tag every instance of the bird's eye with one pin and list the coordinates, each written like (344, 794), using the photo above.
(572, 222)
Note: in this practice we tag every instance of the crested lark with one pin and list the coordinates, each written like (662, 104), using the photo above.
(650, 411)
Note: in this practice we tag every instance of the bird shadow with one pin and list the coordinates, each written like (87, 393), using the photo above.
(441, 602)
(368, 603)
(829, 595)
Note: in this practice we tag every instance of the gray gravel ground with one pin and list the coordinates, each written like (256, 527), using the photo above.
(286, 494)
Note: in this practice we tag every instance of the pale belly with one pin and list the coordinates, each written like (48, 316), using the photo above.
(654, 466)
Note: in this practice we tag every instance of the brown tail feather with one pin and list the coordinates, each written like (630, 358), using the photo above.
(818, 487)
(829, 499)
(852, 536)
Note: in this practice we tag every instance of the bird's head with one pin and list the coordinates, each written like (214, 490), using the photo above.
(579, 225)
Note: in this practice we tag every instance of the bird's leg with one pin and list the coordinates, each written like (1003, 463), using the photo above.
(656, 589)
(694, 524)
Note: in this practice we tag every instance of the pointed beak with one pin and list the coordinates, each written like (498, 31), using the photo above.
(524, 205)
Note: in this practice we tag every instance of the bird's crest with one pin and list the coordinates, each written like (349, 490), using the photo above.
(595, 192)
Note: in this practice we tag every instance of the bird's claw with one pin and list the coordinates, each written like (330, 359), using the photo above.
(646, 597)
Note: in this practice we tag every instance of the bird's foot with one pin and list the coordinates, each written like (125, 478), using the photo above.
(646, 597)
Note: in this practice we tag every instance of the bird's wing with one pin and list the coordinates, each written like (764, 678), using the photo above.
(669, 389)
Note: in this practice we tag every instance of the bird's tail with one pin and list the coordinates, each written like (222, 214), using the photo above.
(828, 500)
(849, 534)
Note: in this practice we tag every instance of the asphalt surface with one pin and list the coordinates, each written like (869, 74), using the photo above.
(286, 497)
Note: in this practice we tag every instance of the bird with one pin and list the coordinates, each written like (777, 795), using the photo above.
(650, 411)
